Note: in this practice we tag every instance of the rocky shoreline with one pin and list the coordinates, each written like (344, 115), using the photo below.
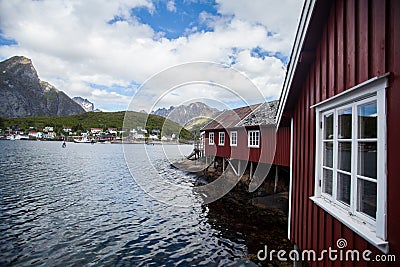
(256, 219)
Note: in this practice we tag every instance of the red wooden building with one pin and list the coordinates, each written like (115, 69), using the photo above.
(248, 134)
(341, 99)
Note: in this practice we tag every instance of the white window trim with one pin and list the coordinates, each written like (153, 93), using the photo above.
(233, 132)
(248, 138)
(375, 233)
(221, 134)
(211, 138)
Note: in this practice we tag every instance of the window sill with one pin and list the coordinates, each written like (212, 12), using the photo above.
(254, 146)
(353, 223)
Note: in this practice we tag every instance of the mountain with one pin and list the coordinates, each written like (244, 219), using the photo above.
(84, 103)
(23, 94)
(188, 115)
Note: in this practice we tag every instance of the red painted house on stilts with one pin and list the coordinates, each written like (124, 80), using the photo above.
(341, 99)
(248, 136)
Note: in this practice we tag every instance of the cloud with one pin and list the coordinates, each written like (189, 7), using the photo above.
(171, 6)
(77, 43)
(279, 17)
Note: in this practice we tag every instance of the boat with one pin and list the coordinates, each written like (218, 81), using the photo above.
(84, 140)
(10, 137)
(21, 137)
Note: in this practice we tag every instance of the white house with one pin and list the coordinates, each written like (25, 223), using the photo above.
(48, 129)
(96, 130)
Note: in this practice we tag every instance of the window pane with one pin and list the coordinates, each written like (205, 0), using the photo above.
(328, 125)
(367, 197)
(233, 138)
(344, 188)
(344, 120)
(257, 138)
(328, 177)
(344, 156)
(328, 154)
(367, 120)
(367, 160)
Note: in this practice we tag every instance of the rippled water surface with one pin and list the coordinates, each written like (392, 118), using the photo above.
(80, 206)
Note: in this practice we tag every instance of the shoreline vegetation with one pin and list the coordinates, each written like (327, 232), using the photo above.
(259, 218)
(123, 123)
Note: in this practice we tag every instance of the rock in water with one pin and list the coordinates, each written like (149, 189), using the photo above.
(23, 94)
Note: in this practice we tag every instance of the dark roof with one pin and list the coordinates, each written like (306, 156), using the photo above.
(229, 118)
(263, 115)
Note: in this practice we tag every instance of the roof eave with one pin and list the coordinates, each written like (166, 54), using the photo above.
(308, 9)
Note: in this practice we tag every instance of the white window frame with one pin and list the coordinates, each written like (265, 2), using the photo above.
(211, 138)
(374, 231)
(233, 133)
(256, 142)
(221, 138)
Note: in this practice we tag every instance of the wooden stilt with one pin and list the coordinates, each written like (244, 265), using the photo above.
(251, 170)
(223, 164)
(276, 178)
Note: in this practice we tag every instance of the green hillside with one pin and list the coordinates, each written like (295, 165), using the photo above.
(99, 120)
(196, 124)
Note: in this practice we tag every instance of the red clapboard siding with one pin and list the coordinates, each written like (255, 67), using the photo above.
(362, 35)
(350, 43)
(359, 40)
(274, 146)
(340, 75)
(393, 130)
(282, 153)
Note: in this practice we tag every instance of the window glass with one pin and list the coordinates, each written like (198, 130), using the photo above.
(328, 154)
(344, 123)
(367, 197)
(344, 156)
(254, 138)
(328, 126)
(221, 138)
(233, 138)
(344, 188)
(328, 179)
(367, 120)
(367, 159)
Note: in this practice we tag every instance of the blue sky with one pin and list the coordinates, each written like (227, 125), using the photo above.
(175, 20)
(105, 50)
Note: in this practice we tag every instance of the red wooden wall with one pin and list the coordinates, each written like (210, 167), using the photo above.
(271, 141)
(360, 40)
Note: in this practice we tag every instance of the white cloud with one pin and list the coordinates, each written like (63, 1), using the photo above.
(171, 6)
(279, 17)
(72, 44)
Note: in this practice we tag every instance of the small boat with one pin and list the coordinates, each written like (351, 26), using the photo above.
(21, 137)
(84, 140)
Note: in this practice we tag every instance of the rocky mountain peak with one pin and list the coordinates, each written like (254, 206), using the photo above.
(84, 103)
(23, 94)
(184, 114)
(19, 66)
